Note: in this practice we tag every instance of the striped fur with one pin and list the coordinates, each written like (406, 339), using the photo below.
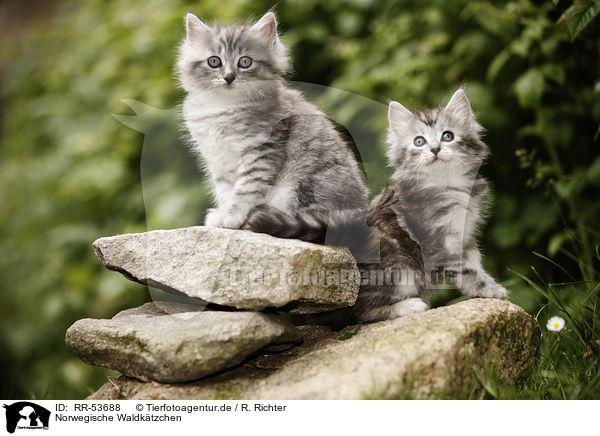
(437, 205)
(276, 163)
(425, 226)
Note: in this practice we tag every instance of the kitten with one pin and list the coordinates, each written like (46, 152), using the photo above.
(276, 163)
(426, 224)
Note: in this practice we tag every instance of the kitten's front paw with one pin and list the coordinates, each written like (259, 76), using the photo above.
(233, 220)
(224, 219)
(215, 217)
(491, 290)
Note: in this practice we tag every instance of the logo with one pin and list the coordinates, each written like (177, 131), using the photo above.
(26, 415)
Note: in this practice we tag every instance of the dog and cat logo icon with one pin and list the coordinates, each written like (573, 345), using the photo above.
(26, 415)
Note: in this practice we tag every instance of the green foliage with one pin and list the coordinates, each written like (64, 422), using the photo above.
(70, 172)
(580, 15)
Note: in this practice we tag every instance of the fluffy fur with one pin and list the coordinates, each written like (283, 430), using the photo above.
(276, 163)
(425, 225)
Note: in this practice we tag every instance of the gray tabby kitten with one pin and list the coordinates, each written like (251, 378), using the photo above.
(276, 163)
(426, 224)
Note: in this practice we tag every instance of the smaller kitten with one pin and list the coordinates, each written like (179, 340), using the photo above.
(427, 222)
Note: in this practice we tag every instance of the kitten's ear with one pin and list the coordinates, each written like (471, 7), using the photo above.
(461, 108)
(194, 26)
(266, 27)
(399, 117)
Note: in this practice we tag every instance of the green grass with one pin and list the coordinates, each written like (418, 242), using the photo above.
(565, 370)
(568, 361)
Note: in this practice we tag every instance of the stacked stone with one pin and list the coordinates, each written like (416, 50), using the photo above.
(231, 348)
(240, 273)
(448, 352)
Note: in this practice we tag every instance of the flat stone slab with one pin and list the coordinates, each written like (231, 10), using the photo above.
(172, 343)
(437, 353)
(236, 268)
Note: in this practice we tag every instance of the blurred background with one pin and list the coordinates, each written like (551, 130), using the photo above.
(70, 172)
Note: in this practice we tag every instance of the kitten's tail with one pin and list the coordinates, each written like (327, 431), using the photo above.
(272, 221)
(347, 227)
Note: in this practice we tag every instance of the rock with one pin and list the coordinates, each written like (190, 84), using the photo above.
(171, 342)
(435, 354)
(236, 268)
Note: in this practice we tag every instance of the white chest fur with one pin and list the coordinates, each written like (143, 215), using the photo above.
(215, 138)
(220, 142)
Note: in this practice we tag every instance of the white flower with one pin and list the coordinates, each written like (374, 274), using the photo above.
(555, 324)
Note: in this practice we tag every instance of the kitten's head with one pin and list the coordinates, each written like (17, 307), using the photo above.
(443, 142)
(236, 59)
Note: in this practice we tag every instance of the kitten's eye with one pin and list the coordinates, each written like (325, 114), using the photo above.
(447, 136)
(245, 62)
(420, 141)
(214, 62)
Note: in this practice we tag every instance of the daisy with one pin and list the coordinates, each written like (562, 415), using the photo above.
(555, 324)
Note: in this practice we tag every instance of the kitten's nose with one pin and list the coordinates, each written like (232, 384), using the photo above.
(229, 78)
(435, 150)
